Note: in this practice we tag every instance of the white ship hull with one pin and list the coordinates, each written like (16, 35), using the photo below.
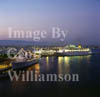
(74, 53)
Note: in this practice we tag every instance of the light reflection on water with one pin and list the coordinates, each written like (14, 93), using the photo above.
(47, 63)
(60, 65)
(83, 65)
(5, 64)
(36, 68)
(63, 65)
(65, 62)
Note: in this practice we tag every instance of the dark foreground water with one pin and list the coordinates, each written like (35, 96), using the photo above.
(88, 68)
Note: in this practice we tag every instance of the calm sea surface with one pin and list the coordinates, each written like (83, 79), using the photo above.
(88, 68)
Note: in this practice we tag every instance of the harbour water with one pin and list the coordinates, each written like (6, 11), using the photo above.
(88, 68)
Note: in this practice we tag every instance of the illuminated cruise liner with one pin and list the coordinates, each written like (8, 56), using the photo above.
(72, 50)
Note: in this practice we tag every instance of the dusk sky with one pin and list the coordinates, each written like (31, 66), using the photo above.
(80, 17)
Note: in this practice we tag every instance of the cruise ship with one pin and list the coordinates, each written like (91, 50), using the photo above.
(72, 50)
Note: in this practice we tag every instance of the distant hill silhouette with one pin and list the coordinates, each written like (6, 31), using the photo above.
(25, 43)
